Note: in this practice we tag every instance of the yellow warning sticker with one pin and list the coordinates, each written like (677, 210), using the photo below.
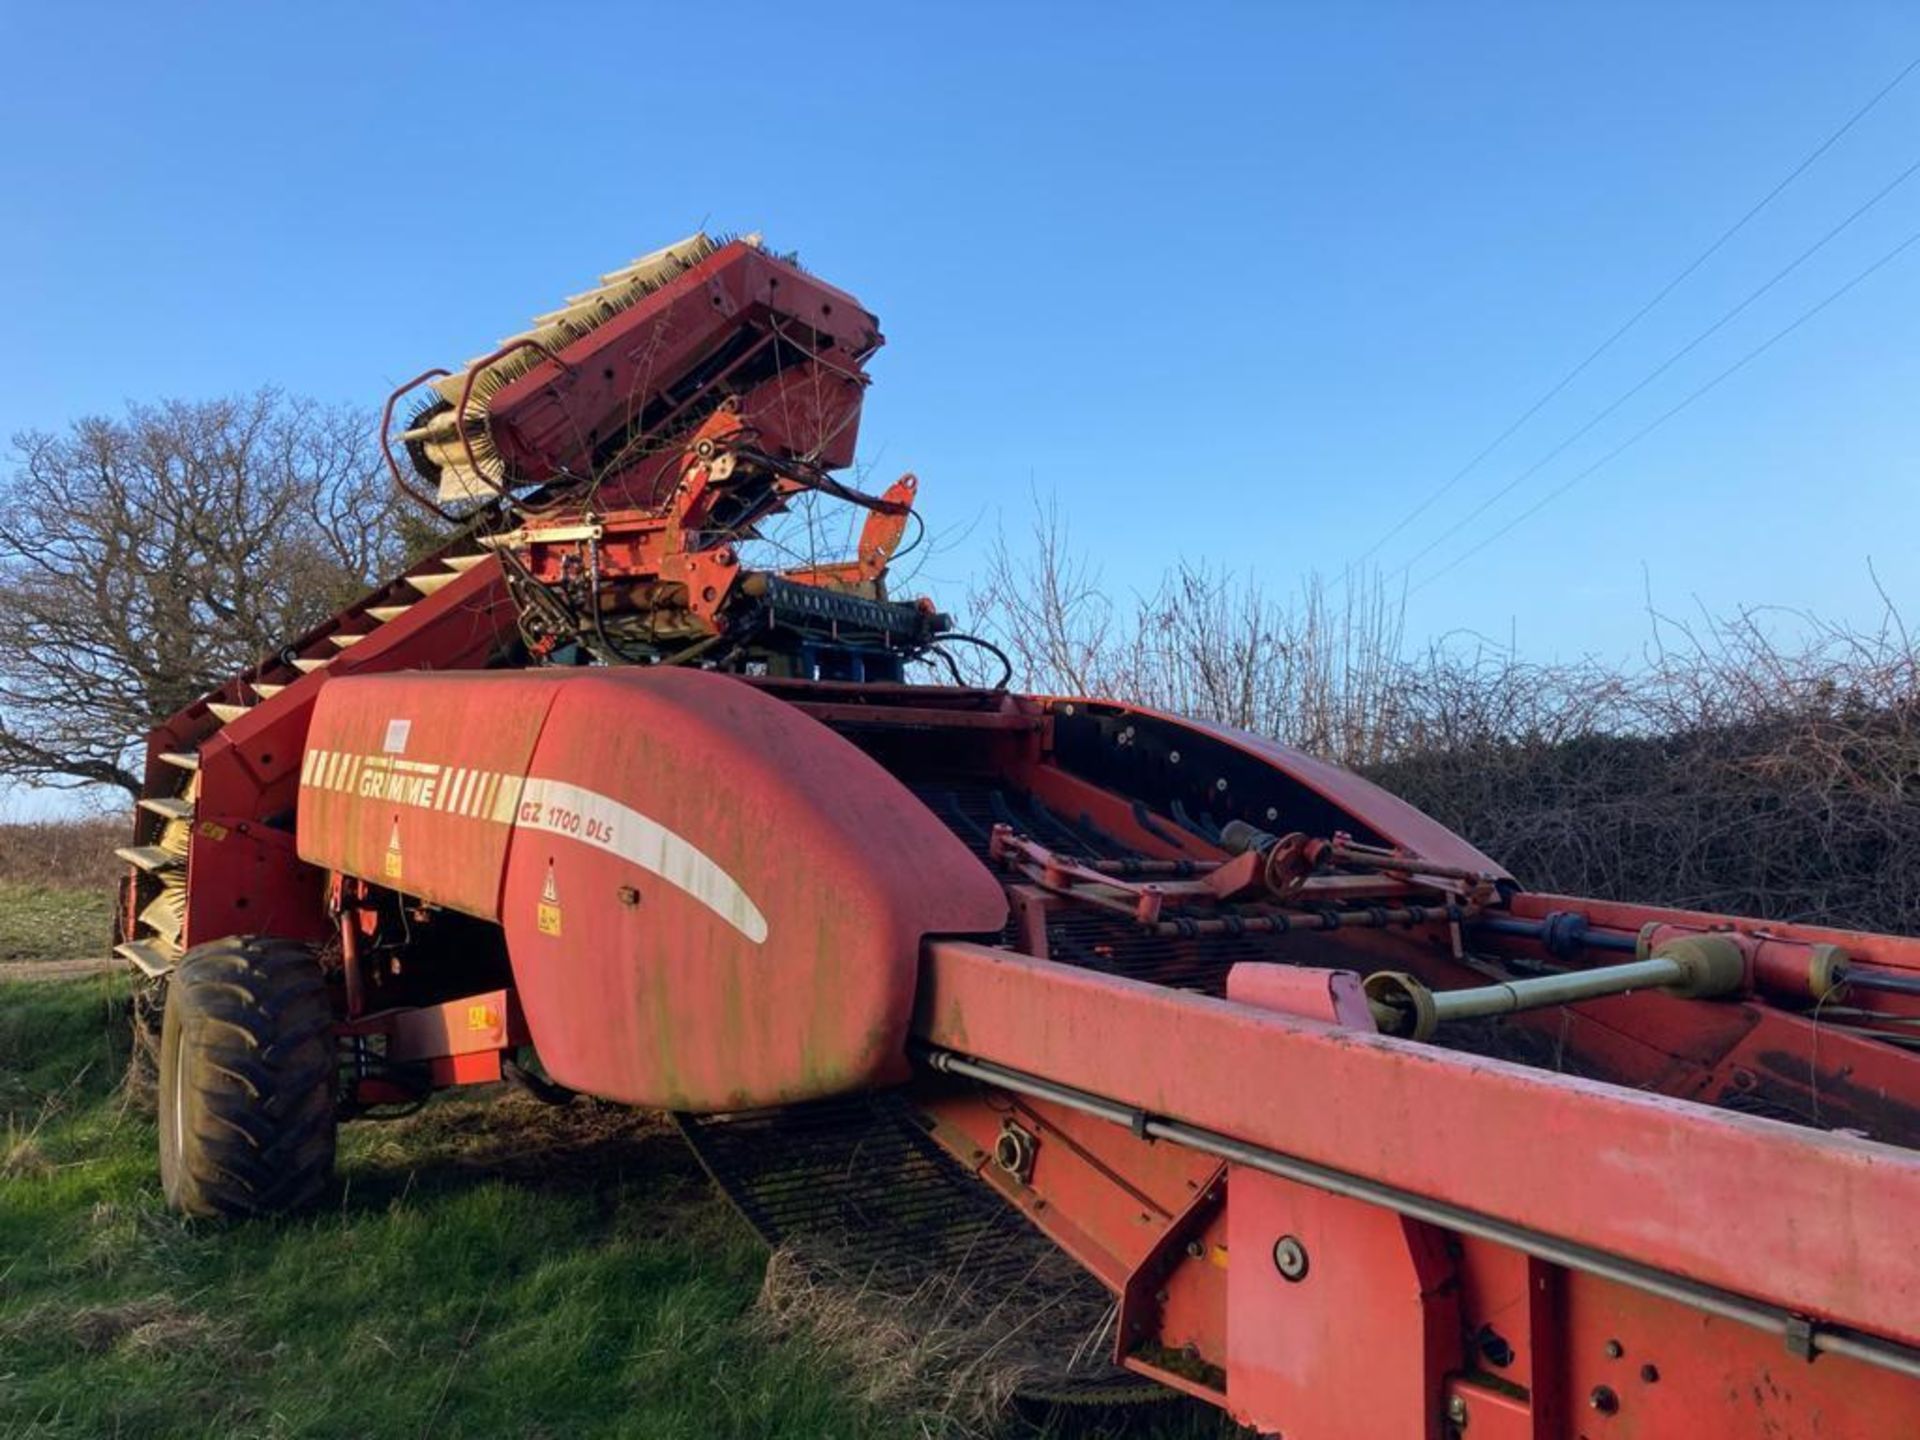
(546, 915)
(391, 864)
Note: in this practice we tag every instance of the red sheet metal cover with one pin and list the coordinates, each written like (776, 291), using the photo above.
(411, 780)
(714, 902)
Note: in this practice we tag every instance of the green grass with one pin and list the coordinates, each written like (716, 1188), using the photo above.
(40, 921)
(488, 1267)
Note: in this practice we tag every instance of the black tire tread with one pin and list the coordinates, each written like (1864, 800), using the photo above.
(253, 1023)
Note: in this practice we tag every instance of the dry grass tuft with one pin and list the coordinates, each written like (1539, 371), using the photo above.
(947, 1352)
(155, 1324)
(23, 1158)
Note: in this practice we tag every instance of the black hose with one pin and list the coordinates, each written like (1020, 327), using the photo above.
(1006, 670)
(1884, 981)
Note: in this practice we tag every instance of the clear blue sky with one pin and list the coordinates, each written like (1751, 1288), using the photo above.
(1237, 283)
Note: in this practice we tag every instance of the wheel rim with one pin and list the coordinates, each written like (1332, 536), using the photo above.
(179, 1108)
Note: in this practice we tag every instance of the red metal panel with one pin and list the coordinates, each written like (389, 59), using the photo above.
(412, 780)
(551, 416)
(1354, 1338)
(1105, 1196)
(1670, 1184)
(1334, 996)
(1636, 1368)
(471, 1025)
(247, 880)
(713, 901)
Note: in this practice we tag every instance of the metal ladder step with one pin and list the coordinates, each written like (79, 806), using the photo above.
(166, 914)
(433, 580)
(150, 858)
(184, 759)
(168, 807)
(154, 956)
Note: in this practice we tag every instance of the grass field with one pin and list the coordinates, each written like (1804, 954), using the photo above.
(486, 1267)
(42, 921)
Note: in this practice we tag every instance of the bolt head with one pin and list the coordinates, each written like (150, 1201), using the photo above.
(1457, 1410)
(1290, 1258)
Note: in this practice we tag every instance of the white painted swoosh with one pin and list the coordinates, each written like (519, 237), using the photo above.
(573, 813)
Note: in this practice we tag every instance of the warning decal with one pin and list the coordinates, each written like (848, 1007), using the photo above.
(391, 864)
(603, 823)
(547, 913)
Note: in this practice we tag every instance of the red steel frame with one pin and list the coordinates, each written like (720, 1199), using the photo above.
(1611, 1178)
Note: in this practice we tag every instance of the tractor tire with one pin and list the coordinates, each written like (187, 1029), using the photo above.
(247, 1071)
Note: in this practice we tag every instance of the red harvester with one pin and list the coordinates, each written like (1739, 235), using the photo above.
(1363, 1141)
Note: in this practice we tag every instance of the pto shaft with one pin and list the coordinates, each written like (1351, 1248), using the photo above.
(1692, 966)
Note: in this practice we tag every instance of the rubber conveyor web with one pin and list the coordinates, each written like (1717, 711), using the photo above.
(857, 1181)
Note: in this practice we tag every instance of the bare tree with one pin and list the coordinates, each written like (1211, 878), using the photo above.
(1766, 763)
(1321, 672)
(148, 557)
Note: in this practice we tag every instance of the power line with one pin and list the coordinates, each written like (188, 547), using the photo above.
(1705, 255)
(1658, 421)
(1665, 365)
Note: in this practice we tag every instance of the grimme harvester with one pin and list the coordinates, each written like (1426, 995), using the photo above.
(1359, 1138)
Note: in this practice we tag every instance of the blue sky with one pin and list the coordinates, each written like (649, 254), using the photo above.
(1241, 283)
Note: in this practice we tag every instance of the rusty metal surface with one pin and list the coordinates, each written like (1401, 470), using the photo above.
(713, 902)
(1604, 1167)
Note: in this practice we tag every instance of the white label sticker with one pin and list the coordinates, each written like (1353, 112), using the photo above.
(603, 822)
(397, 733)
